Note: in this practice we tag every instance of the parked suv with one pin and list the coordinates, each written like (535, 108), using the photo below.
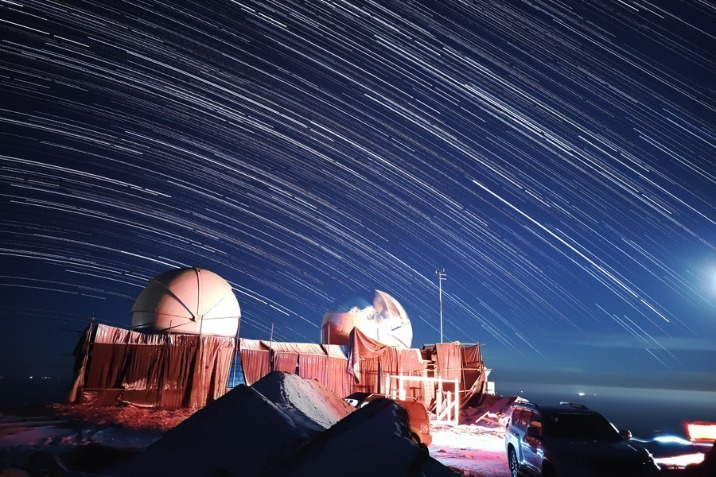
(418, 418)
(571, 440)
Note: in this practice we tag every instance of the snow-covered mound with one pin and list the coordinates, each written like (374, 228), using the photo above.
(240, 434)
(303, 399)
(285, 426)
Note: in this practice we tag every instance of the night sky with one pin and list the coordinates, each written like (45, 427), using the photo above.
(556, 159)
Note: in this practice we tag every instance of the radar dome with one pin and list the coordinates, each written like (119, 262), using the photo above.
(187, 300)
(384, 321)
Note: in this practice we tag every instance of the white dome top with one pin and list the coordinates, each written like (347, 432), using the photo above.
(187, 300)
(384, 321)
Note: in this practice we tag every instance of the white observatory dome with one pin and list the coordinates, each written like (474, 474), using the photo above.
(384, 321)
(187, 300)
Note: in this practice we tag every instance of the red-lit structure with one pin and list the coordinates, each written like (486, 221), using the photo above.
(180, 351)
(178, 354)
(366, 365)
(118, 366)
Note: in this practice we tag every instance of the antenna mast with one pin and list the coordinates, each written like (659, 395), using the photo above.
(441, 276)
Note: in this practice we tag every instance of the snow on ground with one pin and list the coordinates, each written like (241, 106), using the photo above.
(475, 451)
(281, 426)
(245, 433)
(298, 428)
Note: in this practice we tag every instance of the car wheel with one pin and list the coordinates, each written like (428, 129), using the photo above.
(512, 462)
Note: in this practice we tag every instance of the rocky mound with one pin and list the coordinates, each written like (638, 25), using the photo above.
(286, 426)
(242, 433)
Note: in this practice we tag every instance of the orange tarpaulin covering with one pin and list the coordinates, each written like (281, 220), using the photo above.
(367, 378)
(285, 361)
(339, 381)
(150, 370)
(369, 362)
(365, 364)
(255, 363)
(313, 366)
(325, 363)
(255, 360)
(472, 364)
(473, 370)
(362, 347)
(410, 362)
(449, 361)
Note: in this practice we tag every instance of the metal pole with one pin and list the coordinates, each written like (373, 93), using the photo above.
(441, 277)
(272, 356)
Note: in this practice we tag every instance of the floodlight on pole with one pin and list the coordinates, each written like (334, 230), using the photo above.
(441, 276)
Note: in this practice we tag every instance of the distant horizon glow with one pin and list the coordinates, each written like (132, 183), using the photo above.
(712, 280)
(602, 391)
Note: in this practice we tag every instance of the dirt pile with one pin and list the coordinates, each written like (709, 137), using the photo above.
(286, 426)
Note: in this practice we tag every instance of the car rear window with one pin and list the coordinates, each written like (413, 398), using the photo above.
(579, 426)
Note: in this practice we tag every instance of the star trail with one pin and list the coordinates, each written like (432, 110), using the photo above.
(556, 158)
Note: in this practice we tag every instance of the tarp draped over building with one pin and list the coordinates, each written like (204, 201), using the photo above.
(449, 360)
(255, 360)
(286, 361)
(366, 364)
(370, 361)
(324, 363)
(115, 366)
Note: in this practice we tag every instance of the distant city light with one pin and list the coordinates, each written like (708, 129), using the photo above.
(679, 461)
(701, 431)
